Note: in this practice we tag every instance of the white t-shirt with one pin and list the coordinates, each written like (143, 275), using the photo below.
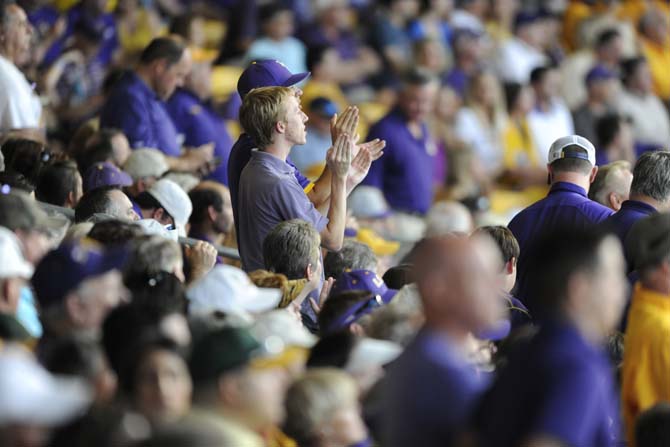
(20, 107)
(651, 123)
(516, 59)
(547, 127)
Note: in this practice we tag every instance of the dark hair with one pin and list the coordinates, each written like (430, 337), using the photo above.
(74, 356)
(336, 306)
(332, 350)
(271, 10)
(157, 294)
(651, 175)
(572, 164)
(555, 258)
(417, 77)
(16, 181)
(512, 93)
(148, 202)
(504, 239)
(147, 344)
(289, 247)
(98, 149)
(537, 74)
(652, 428)
(629, 67)
(353, 256)
(607, 128)
(315, 56)
(169, 48)
(112, 233)
(181, 25)
(398, 276)
(26, 157)
(96, 201)
(202, 199)
(606, 36)
(56, 181)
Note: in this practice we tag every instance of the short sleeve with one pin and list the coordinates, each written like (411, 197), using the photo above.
(294, 204)
(302, 180)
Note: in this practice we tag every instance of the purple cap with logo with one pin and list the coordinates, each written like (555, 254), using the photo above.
(267, 73)
(599, 73)
(64, 268)
(363, 280)
(105, 174)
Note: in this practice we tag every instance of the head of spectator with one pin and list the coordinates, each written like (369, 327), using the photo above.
(292, 248)
(212, 216)
(611, 186)
(199, 80)
(13, 181)
(602, 86)
(572, 159)
(609, 47)
(448, 217)
(164, 65)
(509, 249)
(154, 254)
(190, 28)
(106, 200)
(60, 184)
(459, 284)
(276, 20)
(546, 82)
(652, 428)
(353, 256)
(15, 34)
(333, 14)
(648, 244)
(105, 145)
(365, 280)
(467, 48)
(145, 166)
(651, 180)
(528, 28)
(519, 99)
(578, 275)
(417, 95)
(87, 38)
(167, 203)
(322, 410)
(320, 111)
(636, 76)
(615, 138)
(654, 27)
(105, 174)
(343, 311)
(430, 55)
(400, 320)
(114, 233)
(237, 377)
(21, 215)
(14, 271)
(267, 73)
(27, 157)
(77, 285)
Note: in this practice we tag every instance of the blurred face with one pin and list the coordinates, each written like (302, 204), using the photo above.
(224, 219)
(431, 56)
(121, 149)
(122, 206)
(35, 244)
(337, 15)
(294, 123)
(163, 386)
(448, 103)
(643, 80)
(345, 428)
(625, 140)
(17, 33)
(605, 91)
(196, 33)
(262, 396)
(613, 52)
(169, 77)
(417, 101)
(483, 287)
(486, 91)
(78, 188)
(280, 26)
(96, 297)
(550, 85)
(526, 100)
(199, 81)
(406, 8)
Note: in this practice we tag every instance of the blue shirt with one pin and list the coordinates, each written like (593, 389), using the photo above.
(238, 159)
(200, 124)
(566, 205)
(404, 172)
(558, 385)
(430, 391)
(620, 222)
(136, 109)
(26, 313)
(269, 193)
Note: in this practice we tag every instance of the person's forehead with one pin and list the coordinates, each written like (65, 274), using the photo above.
(16, 14)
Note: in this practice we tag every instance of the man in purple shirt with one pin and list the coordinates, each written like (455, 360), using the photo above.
(649, 194)
(136, 105)
(403, 174)
(431, 389)
(269, 192)
(558, 389)
(571, 170)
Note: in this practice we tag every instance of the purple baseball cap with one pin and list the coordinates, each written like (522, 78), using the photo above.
(599, 73)
(64, 268)
(499, 331)
(363, 280)
(267, 73)
(105, 174)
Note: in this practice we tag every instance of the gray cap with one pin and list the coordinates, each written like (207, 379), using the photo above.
(648, 241)
(20, 211)
(146, 162)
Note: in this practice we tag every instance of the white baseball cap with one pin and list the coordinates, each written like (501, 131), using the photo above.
(13, 263)
(229, 290)
(370, 353)
(281, 323)
(368, 202)
(175, 201)
(146, 162)
(154, 228)
(29, 394)
(557, 150)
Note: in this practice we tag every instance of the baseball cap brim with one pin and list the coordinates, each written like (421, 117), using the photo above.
(370, 352)
(388, 295)
(296, 78)
(261, 300)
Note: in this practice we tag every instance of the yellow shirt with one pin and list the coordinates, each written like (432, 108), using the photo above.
(646, 363)
(658, 58)
(518, 147)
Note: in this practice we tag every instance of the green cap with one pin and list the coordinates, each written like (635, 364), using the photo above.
(648, 241)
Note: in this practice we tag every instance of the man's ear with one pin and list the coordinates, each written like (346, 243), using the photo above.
(157, 214)
(309, 272)
(594, 172)
(70, 200)
(211, 213)
(614, 201)
(510, 265)
(73, 308)
(280, 127)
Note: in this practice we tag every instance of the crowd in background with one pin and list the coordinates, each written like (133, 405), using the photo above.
(335, 223)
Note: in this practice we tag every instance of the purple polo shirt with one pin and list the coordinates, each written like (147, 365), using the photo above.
(566, 205)
(238, 159)
(559, 386)
(136, 109)
(405, 172)
(200, 124)
(631, 211)
(429, 392)
(269, 193)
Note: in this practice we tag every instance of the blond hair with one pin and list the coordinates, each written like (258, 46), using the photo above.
(261, 109)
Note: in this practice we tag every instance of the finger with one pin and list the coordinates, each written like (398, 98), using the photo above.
(333, 123)
(315, 307)
(352, 121)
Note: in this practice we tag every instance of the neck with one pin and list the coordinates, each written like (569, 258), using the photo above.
(279, 150)
(143, 73)
(598, 107)
(587, 327)
(8, 54)
(452, 331)
(648, 200)
(574, 178)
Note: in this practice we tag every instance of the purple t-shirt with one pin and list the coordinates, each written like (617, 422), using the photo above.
(404, 172)
(559, 386)
(269, 193)
(566, 205)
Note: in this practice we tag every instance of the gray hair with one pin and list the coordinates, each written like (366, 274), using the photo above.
(651, 176)
(448, 217)
(290, 247)
(399, 320)
(608, 180)
(153, 254)
(353, 256)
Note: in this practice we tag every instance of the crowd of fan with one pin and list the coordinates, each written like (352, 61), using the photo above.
(463, 239)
